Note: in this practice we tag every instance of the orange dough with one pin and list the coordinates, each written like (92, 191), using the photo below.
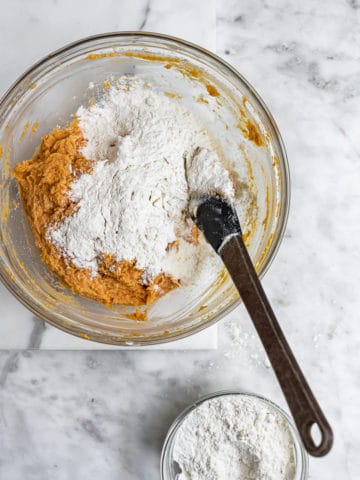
(44, 183)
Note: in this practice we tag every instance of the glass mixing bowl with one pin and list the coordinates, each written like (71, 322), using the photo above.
(168, 467)
(52, 90)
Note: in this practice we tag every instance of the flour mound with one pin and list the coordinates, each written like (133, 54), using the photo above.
(134, 203)
(234, 438)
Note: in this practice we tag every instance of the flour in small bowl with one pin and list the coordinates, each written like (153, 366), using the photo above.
(133, 205)
(233, 437)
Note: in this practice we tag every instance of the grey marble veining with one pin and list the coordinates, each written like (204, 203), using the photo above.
(105, 414)
(304, 61)
(60, 23)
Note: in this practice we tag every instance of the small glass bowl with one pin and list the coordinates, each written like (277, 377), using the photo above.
(168, 468)
(51, 91)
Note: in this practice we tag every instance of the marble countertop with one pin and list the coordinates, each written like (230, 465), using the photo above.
(104, 414)
(21, 329)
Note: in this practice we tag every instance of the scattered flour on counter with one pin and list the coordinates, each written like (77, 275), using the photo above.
(234, 438)
(244, 344)
(133, 204)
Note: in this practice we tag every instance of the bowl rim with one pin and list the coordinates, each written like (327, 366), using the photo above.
(285, 191)
(302, 457)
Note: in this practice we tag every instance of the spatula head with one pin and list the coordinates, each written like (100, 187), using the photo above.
(216, 218)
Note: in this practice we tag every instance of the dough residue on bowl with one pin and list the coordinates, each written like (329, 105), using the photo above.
(107, 196)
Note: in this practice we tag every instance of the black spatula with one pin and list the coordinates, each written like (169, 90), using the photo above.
(219, 222)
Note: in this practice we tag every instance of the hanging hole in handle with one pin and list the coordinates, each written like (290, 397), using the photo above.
(317, 438)
(316, 434)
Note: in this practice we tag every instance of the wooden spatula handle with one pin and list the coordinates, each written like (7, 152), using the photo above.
(302, 403)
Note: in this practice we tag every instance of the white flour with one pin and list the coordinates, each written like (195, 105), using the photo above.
(133, 204)
(234, 438)
(206, 175)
